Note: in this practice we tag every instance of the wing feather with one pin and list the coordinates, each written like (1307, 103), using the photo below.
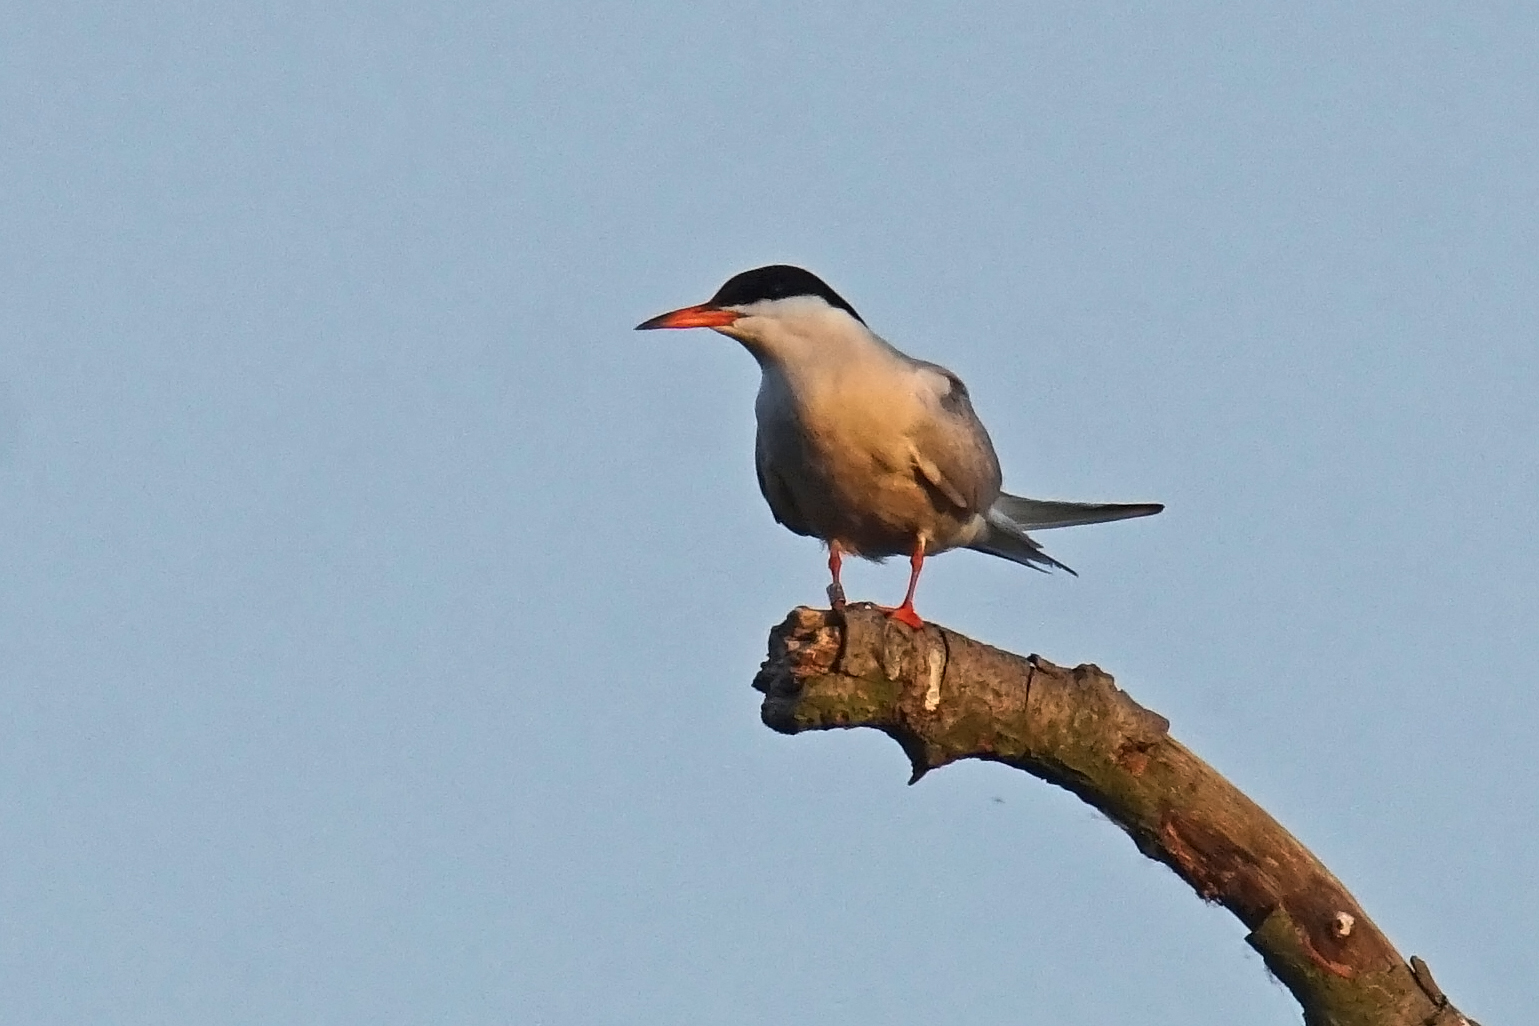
(781, 502)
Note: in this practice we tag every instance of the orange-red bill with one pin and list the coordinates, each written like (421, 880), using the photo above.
(703, 316)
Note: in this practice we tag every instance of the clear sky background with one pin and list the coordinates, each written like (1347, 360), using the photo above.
(378, 611)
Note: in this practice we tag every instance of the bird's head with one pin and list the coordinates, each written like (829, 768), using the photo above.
(769, 309)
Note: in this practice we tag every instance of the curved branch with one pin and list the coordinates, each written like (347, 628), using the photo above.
(944, 697)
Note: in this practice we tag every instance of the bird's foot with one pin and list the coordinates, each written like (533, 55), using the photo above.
(836, 595)
(904, 614)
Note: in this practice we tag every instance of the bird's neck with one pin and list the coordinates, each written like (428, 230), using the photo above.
(826, 343)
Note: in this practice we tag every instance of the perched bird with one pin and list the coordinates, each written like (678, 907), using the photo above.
(874, 452)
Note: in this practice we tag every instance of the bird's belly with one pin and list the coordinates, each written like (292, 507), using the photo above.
(867, 497)
(841, 445)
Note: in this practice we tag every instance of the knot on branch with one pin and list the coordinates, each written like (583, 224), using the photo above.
(945, 697)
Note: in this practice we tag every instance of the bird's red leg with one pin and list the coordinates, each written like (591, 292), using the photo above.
(835, 590)
(905, 613)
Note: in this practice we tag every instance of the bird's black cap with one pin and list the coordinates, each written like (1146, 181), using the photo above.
(778, 281)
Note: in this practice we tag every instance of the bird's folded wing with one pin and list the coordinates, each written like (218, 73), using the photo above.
(781, 502)
(950, 451)
(926, 469)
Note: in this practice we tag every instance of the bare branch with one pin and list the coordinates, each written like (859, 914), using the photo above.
(945, 697)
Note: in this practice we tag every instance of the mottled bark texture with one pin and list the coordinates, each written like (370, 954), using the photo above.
(944, 697)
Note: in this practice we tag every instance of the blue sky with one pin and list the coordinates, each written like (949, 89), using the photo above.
(378, 611)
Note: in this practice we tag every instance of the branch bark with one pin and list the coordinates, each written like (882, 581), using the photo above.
(945, 697)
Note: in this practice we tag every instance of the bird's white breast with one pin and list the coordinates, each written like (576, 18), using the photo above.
(854, 398)
(838, 411)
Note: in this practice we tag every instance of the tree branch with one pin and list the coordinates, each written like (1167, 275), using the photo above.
(944, 697)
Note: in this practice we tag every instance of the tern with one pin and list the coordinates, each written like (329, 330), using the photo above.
(866, 448)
